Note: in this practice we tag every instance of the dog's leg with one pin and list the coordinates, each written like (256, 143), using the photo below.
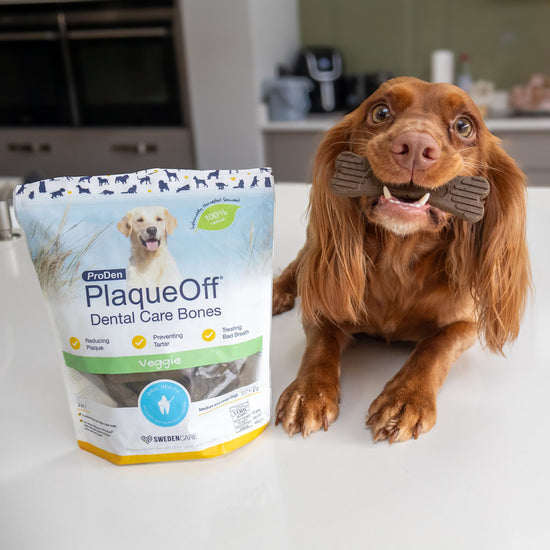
(311, 402)
(285, 288)
(407, 406)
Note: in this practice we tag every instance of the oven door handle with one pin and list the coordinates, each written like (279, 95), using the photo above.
(101, 34)
(29, 36)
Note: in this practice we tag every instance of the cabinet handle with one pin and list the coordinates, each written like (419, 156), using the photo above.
(30, 36)
(140, 148)
(100, 34)
(28, 147)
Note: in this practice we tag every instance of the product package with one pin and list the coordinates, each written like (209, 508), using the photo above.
(159, 283)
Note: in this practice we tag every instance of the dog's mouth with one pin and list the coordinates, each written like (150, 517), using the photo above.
(462, 196)
(408, 210)
(406, 203)
(151, 244)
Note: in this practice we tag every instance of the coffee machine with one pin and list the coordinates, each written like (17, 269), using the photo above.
(324, 67)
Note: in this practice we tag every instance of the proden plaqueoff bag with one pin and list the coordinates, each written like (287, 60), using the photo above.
(160, 286)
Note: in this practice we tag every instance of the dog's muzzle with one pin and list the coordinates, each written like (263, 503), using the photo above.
(151, 242)
(463, 196)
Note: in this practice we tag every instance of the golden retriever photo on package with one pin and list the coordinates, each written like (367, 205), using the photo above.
(151, 264)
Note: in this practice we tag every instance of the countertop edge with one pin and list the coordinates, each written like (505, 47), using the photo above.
(321, 123)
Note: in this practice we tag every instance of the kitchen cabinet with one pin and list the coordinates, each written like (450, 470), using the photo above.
(47, 153)
(531, 151)
(291, 154)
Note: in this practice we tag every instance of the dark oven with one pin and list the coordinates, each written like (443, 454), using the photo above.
(100, 63)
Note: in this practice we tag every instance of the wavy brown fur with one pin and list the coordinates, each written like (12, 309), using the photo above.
(442, 284)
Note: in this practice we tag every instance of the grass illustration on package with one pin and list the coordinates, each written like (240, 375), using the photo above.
(160, 286)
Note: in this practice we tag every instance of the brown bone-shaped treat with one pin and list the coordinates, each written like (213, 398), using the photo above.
(462, 196)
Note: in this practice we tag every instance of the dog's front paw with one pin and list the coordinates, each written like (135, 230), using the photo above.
(307, 406)
(282, 303)
(284, 295)
(400, 413)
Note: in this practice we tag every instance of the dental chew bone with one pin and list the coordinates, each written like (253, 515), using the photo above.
(462, 196)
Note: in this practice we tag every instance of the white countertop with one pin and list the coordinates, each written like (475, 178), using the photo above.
(322, 122)
(479, 479)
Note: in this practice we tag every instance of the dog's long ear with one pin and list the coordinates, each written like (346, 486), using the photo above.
(334, 240)
(498, 256)
(171, 222)
(124, 225)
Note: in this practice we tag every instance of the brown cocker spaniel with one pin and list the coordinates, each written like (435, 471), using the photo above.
(394, 265)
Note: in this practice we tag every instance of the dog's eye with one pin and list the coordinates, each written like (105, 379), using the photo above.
(159, 219)
(381, 113)
(464, 127)
(140, 220)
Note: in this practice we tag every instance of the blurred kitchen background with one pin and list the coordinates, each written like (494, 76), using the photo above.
(113, 86)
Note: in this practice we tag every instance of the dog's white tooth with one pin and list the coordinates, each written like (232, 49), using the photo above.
(387, 193)
(423, 200)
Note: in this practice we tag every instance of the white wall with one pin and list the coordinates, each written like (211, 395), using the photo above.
(230, 47)
(276, 36)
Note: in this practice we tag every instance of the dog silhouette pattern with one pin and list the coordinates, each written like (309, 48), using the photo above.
(148, 181)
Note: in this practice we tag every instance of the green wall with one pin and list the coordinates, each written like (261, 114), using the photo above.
(507, 39)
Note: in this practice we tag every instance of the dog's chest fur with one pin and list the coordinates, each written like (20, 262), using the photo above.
(409, 293)
(152, 269)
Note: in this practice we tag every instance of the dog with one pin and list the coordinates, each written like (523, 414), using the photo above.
(171, 175)
(199, 182)
(402, 269)
(150, 264)
(122, 179)
(83, 190)
(132, 190)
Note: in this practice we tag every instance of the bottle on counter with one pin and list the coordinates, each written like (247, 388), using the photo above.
(464, 79)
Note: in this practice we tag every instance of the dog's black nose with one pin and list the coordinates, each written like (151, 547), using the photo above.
(151, 231)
